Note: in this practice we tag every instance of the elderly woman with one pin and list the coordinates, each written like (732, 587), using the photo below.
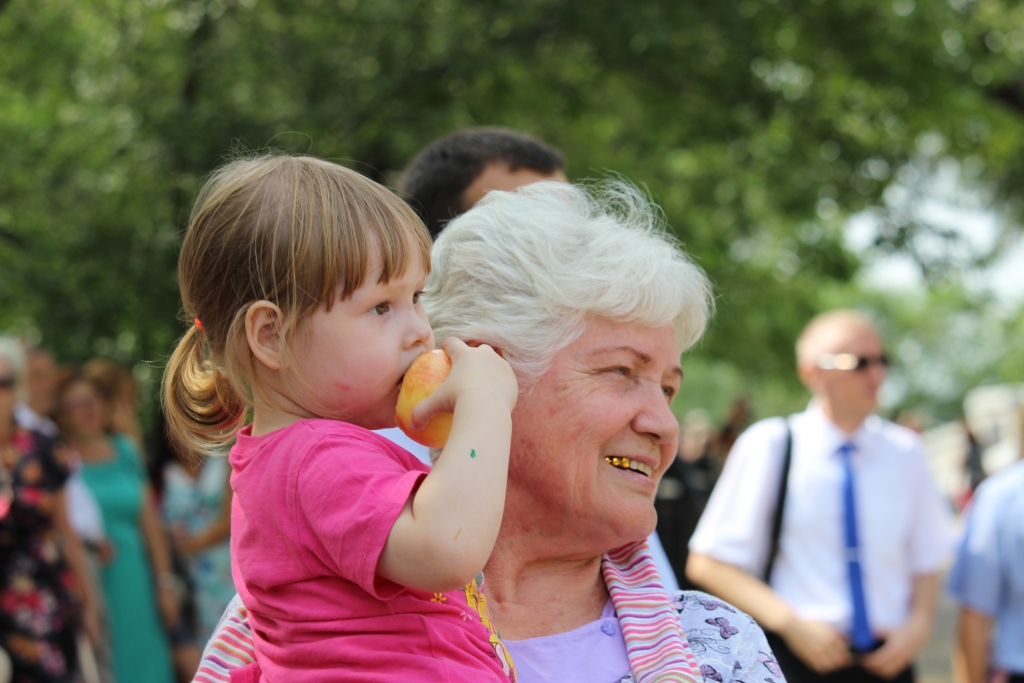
(42, 564)
(591, 304)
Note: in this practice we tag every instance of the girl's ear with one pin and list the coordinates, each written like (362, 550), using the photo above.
(263, 323)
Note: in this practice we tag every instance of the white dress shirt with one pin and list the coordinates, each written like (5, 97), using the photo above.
(902, 521)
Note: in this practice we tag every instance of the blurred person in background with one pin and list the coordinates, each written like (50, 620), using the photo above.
(449, 176)
(196, 505)
(35, 411)
(826, 527)
(139, 585)
(42, 563)
(121, 394)
(974, 465)
(684, 490)
(912, 420)
(987, 580)
(83, 512)
(453, 173)
(738, 420)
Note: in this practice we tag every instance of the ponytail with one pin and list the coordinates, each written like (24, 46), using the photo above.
(203, 406)
(298, 232)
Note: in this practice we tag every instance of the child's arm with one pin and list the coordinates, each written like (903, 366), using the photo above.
(444, 535)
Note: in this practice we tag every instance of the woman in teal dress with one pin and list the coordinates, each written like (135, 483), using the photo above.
(139, 600)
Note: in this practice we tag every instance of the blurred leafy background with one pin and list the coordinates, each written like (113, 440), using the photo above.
(761, 127)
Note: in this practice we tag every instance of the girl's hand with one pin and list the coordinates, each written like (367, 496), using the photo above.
(447, 529)
(477, 372)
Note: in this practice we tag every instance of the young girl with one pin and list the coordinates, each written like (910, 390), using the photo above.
(304, 282)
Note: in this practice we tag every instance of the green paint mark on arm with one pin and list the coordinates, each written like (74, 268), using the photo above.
(472, 453)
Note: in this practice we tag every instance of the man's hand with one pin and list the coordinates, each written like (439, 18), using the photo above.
(901, 646)
(817, 644)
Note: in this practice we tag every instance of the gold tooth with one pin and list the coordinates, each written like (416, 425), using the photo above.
(619, 462)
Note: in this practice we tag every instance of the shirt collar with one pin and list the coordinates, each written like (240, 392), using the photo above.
(832, 437)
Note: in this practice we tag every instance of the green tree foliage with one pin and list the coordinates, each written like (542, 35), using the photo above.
(759, 126)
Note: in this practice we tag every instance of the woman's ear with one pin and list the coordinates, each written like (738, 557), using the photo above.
(475, 343)
(263, 322)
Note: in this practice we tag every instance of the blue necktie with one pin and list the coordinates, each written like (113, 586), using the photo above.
(860, 631)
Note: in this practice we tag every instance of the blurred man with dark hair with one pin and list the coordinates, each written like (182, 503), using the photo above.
(453, 173)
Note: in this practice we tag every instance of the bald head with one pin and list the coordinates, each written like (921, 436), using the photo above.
(834, 332)
(846, 394)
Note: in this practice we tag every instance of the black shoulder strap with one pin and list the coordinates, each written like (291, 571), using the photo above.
(780, 506)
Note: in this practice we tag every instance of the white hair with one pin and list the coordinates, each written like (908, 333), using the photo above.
(12, 352)
(522, 271)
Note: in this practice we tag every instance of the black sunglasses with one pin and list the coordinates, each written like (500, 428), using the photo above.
(848, 361)
(7, 382)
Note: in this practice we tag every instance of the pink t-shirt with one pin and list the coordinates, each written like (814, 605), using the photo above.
(313, 506)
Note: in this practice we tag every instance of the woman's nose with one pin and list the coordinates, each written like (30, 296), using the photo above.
(656, 419)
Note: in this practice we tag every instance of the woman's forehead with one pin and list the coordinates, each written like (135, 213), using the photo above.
(644, 345)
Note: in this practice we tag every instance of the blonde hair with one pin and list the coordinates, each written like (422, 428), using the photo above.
(293, 230)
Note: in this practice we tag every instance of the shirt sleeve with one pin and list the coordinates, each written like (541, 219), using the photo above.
(930, 541)
(756, 662)
(736, 523)
(349, 494)
(974, 578)
(728, 644)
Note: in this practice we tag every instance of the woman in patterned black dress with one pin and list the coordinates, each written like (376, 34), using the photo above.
(42, 565)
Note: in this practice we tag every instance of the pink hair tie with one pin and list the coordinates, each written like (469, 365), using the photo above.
(199, 325)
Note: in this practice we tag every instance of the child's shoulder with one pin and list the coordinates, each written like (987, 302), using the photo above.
(306, 443)
(333, 434)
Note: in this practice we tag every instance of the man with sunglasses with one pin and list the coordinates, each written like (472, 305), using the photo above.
(826, 527)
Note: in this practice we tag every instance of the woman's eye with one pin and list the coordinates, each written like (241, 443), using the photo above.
(381, 309)
(670, 393)
(416, 297)
(621, 371)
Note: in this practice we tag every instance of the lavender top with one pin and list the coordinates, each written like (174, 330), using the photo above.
(727, 643)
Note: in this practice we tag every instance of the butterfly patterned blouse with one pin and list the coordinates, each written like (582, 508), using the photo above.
(727, 644)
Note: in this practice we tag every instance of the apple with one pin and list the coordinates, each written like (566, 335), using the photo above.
(425, 375)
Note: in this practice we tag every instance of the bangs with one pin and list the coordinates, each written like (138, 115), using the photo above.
(340, 225)
(393, 238)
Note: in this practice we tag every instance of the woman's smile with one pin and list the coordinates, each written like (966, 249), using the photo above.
(629, 464)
